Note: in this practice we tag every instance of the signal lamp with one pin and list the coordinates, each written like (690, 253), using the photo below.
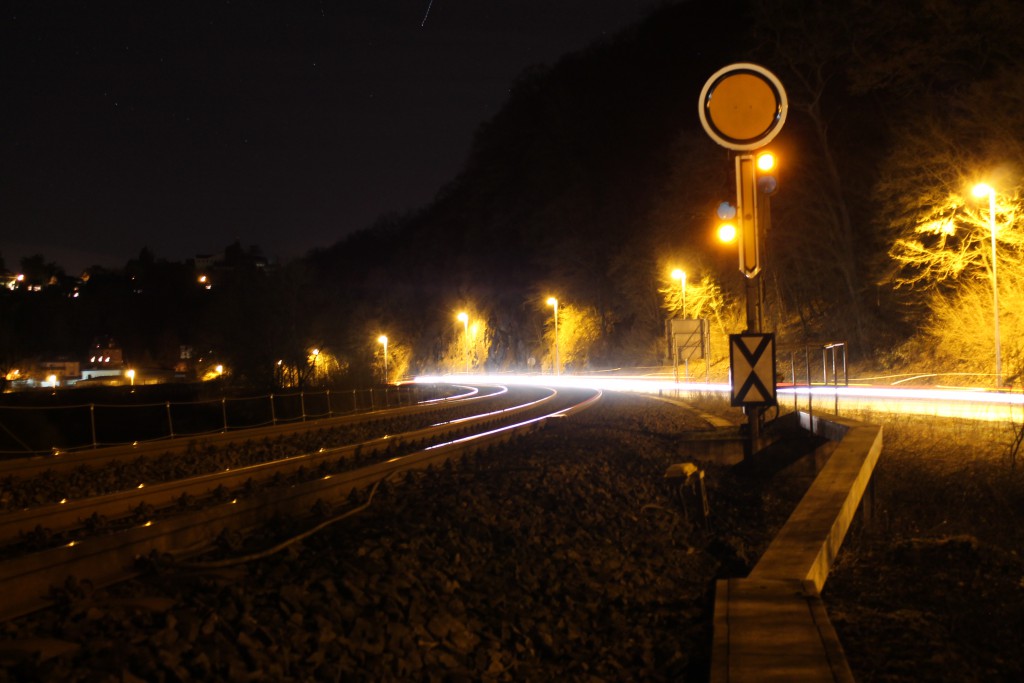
(767, 174)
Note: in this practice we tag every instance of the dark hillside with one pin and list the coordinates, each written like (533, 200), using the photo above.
(559, 194)
(596, 179)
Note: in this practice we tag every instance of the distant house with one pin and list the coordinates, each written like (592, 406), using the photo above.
(106, 359)
(233, 256)
(207, 261)
(62, 369)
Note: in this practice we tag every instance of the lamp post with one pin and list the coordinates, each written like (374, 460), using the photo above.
(680, 275)
(552, 301)
(131, 377)
(463, 317)
(982, 190)
(383, 339)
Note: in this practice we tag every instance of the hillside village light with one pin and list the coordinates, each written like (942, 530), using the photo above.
(552, 301)
(463, 317)
(982, 190)
(680, 275)
(383, 339)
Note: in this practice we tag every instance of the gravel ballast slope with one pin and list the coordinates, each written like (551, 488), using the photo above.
(563, 556)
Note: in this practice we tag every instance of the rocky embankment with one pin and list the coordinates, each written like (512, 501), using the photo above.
(563, 556)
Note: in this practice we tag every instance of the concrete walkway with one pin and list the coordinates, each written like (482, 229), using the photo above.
(772, 626)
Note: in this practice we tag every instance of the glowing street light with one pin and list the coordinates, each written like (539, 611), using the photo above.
(680, 275)
(131, 376)
(383, 339)
(552, 301)
(463, 317)
(982, 190)
(52, 379)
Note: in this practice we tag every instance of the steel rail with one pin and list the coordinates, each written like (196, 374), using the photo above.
(35, 465)
(75, 514)
(27, 582)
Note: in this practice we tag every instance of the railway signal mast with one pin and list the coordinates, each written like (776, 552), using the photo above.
(742, 108)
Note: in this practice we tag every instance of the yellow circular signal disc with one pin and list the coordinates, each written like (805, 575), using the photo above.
(743, 106)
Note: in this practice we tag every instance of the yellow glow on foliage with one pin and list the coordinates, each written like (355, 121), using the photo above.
(213, 373)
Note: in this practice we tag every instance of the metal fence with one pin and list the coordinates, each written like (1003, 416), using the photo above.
(37, 430)
(833, 357)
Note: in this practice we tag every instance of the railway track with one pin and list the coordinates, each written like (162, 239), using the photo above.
(99, 540)
(59, 461)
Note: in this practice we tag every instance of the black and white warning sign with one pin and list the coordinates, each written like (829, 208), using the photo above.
(752, 366)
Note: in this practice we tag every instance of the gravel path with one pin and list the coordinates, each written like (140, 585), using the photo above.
(563, 556)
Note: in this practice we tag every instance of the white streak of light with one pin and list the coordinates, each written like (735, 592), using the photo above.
(954, 402)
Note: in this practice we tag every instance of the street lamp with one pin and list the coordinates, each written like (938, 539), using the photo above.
(131, 377)
(463, 317)
(982, 190)
(383, 339)
(680, 275)
(552, 301)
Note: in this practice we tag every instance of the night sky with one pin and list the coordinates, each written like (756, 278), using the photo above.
(183, 126)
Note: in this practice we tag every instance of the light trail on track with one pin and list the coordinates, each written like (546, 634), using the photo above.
(561, 412)
(952, 402)
(240, 500)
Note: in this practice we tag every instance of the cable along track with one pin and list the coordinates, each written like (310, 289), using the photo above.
(151, 519)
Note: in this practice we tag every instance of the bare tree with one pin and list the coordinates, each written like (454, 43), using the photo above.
(815, 239)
